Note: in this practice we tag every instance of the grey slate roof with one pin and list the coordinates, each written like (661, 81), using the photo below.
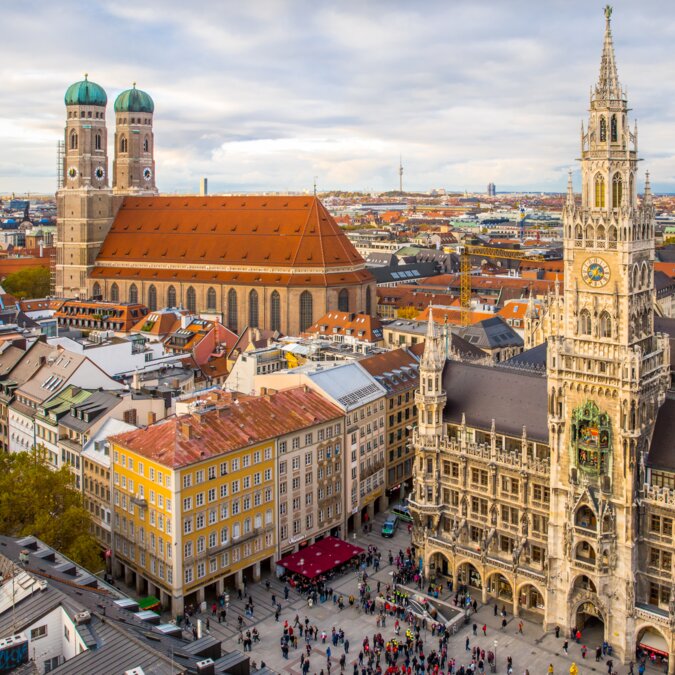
(491, 333)
(483, 393)
(533, 359)
(89, 411)
(662, 448)
(403, 273)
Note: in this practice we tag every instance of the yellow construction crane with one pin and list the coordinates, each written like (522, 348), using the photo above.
(465, 253)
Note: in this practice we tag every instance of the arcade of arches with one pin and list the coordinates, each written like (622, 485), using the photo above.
(487, 584)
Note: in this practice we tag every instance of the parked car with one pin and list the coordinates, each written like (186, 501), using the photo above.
(403, 513)
(390, 526)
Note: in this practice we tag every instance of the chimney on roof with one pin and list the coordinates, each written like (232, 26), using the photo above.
(186, 430)
(263, 391)
(185, 320)
(152, 417)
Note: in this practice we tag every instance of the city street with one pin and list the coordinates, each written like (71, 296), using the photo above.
(534, 650)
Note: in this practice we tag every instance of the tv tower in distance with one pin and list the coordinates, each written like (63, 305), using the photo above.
(400, 174)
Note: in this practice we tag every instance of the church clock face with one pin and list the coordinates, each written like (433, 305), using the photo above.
(595, 272)
(99, 172)
(72, 173)
(147, 173)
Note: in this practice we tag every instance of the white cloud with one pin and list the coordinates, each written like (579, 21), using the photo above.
(267, 94)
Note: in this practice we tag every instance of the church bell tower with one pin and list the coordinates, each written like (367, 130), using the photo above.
(84, 203)
(607, 374)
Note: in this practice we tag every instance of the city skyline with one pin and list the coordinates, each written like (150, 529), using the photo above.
(270, 96)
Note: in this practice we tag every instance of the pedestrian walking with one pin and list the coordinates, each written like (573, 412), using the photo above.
(520, 627)
(485, 629)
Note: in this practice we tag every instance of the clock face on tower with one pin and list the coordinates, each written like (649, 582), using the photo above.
(72, 173)
(595, 272)
(99, 172)
(147, 173)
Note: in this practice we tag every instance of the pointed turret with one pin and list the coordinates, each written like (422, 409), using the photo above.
(647, 199)
(433, 357)
(570, 190)
(608, 87)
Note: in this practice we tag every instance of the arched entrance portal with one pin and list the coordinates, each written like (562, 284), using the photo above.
(531, 600)
(500, 588)
(440, 564)
(651, 645)
(589, 620)
(468, 575)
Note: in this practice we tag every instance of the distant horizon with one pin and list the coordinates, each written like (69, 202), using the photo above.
(275, 94)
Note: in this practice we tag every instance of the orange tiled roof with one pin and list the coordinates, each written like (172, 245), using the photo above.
(362, 326)
(247, 231)
(515, 310)
(453, 315)
(666, 268)
(180, 441)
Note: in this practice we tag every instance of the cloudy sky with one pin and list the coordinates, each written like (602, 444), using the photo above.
(266, 94)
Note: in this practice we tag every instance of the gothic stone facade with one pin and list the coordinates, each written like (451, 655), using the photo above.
(555, 493)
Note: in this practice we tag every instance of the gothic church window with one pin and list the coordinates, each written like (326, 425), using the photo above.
(152, 298)
(232, 310)
(603, 129)
(146, 145)
(191, 300)
(211, 299)
(617, 190)
(599, 192)
(275, 311)
(114, 293)
(171, 297)
(343, 300)
(306, 310)
(133, 293)
(585, 322)
(605, 325)
(97, 142)
(613, 130)
(73, 140)
(96, 290)
(123, 144)
(368, 301)
(253, 309)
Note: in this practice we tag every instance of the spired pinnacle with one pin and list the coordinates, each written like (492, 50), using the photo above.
(608, 87)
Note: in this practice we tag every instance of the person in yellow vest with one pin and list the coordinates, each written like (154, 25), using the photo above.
(573, 669)
(550, 669)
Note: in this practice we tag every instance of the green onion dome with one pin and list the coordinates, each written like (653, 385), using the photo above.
(86, 93)
(134, 101)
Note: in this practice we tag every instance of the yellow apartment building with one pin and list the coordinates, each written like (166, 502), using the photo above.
(194, 496)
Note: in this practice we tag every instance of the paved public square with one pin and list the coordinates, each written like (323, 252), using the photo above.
(534, 650)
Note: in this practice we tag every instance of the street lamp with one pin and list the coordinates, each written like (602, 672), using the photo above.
(494, 662)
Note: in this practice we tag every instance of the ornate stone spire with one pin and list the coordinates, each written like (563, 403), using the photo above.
(433, 357)
(570, 190)
(608, 87)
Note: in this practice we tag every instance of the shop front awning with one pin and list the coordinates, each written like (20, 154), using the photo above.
(653, 641)
(320, 557)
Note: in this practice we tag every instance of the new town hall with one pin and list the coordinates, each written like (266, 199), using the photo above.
(552, 489)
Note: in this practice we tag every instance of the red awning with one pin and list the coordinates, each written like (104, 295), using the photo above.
(320, 557)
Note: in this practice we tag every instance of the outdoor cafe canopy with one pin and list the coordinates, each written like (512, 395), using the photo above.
(320, 557)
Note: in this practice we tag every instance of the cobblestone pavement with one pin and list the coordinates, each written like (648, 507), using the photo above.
(533, 650)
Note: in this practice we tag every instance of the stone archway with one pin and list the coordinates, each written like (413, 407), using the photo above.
(530, 600)
(652, 644)
(469, 575)
(589, 619)
(440, 562)
(500, 587)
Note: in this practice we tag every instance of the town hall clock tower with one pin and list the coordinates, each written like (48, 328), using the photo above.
(607, 375)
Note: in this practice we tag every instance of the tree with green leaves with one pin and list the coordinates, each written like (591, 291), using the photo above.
(32, 282)
(36, 500)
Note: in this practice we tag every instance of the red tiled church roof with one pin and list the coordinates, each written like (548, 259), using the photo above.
(247, 231)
